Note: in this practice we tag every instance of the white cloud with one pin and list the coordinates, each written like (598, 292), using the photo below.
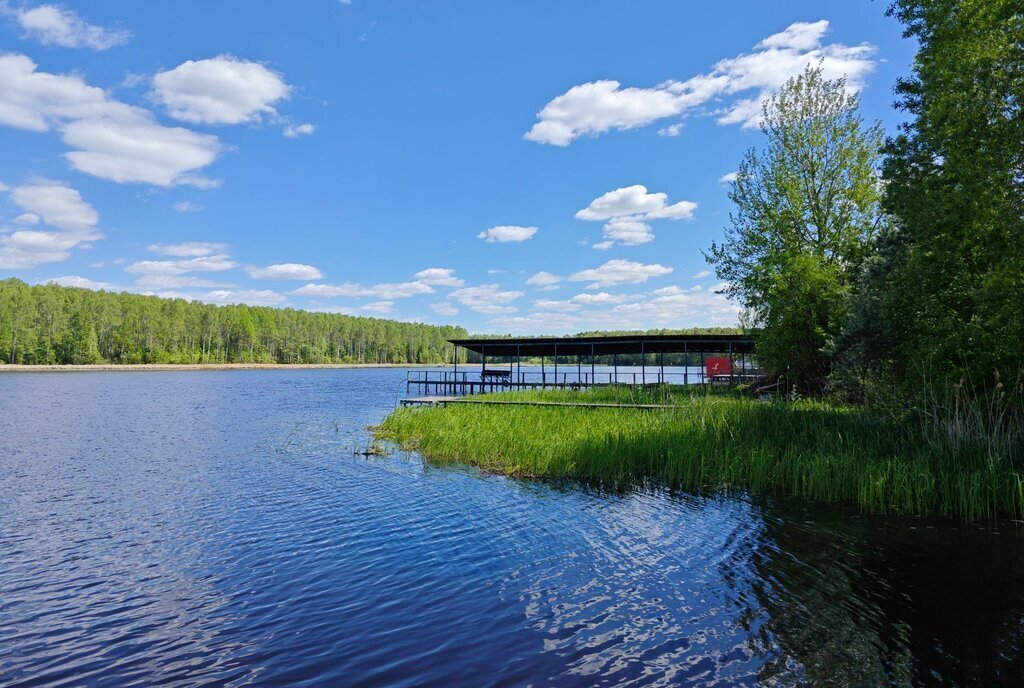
(188, 249)
(163, 281)
(187, 207)
(80, 282)
(597, 107)
(208, 263)
(634, 201)
(702, 274)
(58, 206)
(251, 297)
(628, 231)
(671, 130)
(53, 25)
(627, 211)
(445, 309)
(295, 131)
(285, 271)
(220, 90)
(599, 299)
(559, 306)
(488, 299)
(544, 280)
(108, 138)
(616, 272)
(507, 233)
(387, 292)
(439, 277)
(379, 307)
(728, 177)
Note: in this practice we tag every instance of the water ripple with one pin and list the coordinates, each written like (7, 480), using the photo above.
(222, 529)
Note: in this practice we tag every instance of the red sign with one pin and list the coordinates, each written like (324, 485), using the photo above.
(718, 366)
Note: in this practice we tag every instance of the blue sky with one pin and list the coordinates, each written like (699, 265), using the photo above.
(529, 167)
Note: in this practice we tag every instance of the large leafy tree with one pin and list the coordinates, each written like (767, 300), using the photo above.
(945, 292)
(807, 205)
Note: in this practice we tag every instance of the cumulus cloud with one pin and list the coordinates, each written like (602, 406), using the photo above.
(386, 292)
(107, 138)
(80, 282)
(559, 306)
(187, 207)
(220, 90)
(507, 233)
(439, 277)
(627, 211)
(208, 263)
(379, 307)
(57, 205)
(444, 308)
(545, 281)
(250, 297)
(164, 281)
(667, 307)
(295, 131)
(54, 25)
(741, 84)
(617, 272)
(728, 177)
(188, 249)
(488, 299)
(285, 271)
(70, 221)
(702, 274)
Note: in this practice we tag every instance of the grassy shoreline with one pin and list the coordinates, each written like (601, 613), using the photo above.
(808, 448)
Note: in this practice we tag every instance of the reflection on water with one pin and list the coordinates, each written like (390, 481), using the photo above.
(220, 528)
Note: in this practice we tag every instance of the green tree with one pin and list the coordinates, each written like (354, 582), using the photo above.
(944, 294)
(807, 206)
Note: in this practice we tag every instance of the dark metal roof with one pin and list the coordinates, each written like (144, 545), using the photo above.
(618, 344)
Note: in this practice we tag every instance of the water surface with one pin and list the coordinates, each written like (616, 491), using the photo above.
(223, 528)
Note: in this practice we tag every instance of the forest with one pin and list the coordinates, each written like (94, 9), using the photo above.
(51, 324)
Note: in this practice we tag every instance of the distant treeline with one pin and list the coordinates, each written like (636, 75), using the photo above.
(46, 324)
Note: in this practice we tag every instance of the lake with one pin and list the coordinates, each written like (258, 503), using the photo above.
(225, 528)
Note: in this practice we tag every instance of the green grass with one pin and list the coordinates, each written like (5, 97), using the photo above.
(807, 448)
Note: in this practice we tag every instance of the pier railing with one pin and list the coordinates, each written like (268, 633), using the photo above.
(461, 382)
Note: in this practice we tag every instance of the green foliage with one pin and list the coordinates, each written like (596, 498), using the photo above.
(808, 448)
(45, 324)
(806, 208)
(943, 296)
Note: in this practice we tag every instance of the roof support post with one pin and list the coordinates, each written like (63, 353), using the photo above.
(519, 365)
(643, 364)
(730, 365)
(556, 366)
(686, 364)
(593, 380)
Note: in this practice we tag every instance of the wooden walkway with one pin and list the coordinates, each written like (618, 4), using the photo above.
(444, 401)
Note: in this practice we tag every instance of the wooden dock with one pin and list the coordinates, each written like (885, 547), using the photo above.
(444, 401)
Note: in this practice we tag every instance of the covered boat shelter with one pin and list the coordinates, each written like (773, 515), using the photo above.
(511, 363)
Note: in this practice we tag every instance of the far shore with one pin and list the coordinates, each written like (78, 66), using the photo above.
(102, 367)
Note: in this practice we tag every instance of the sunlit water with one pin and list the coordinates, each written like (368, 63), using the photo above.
(220, 528)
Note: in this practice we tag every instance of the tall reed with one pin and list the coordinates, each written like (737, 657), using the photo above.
(808, 448)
